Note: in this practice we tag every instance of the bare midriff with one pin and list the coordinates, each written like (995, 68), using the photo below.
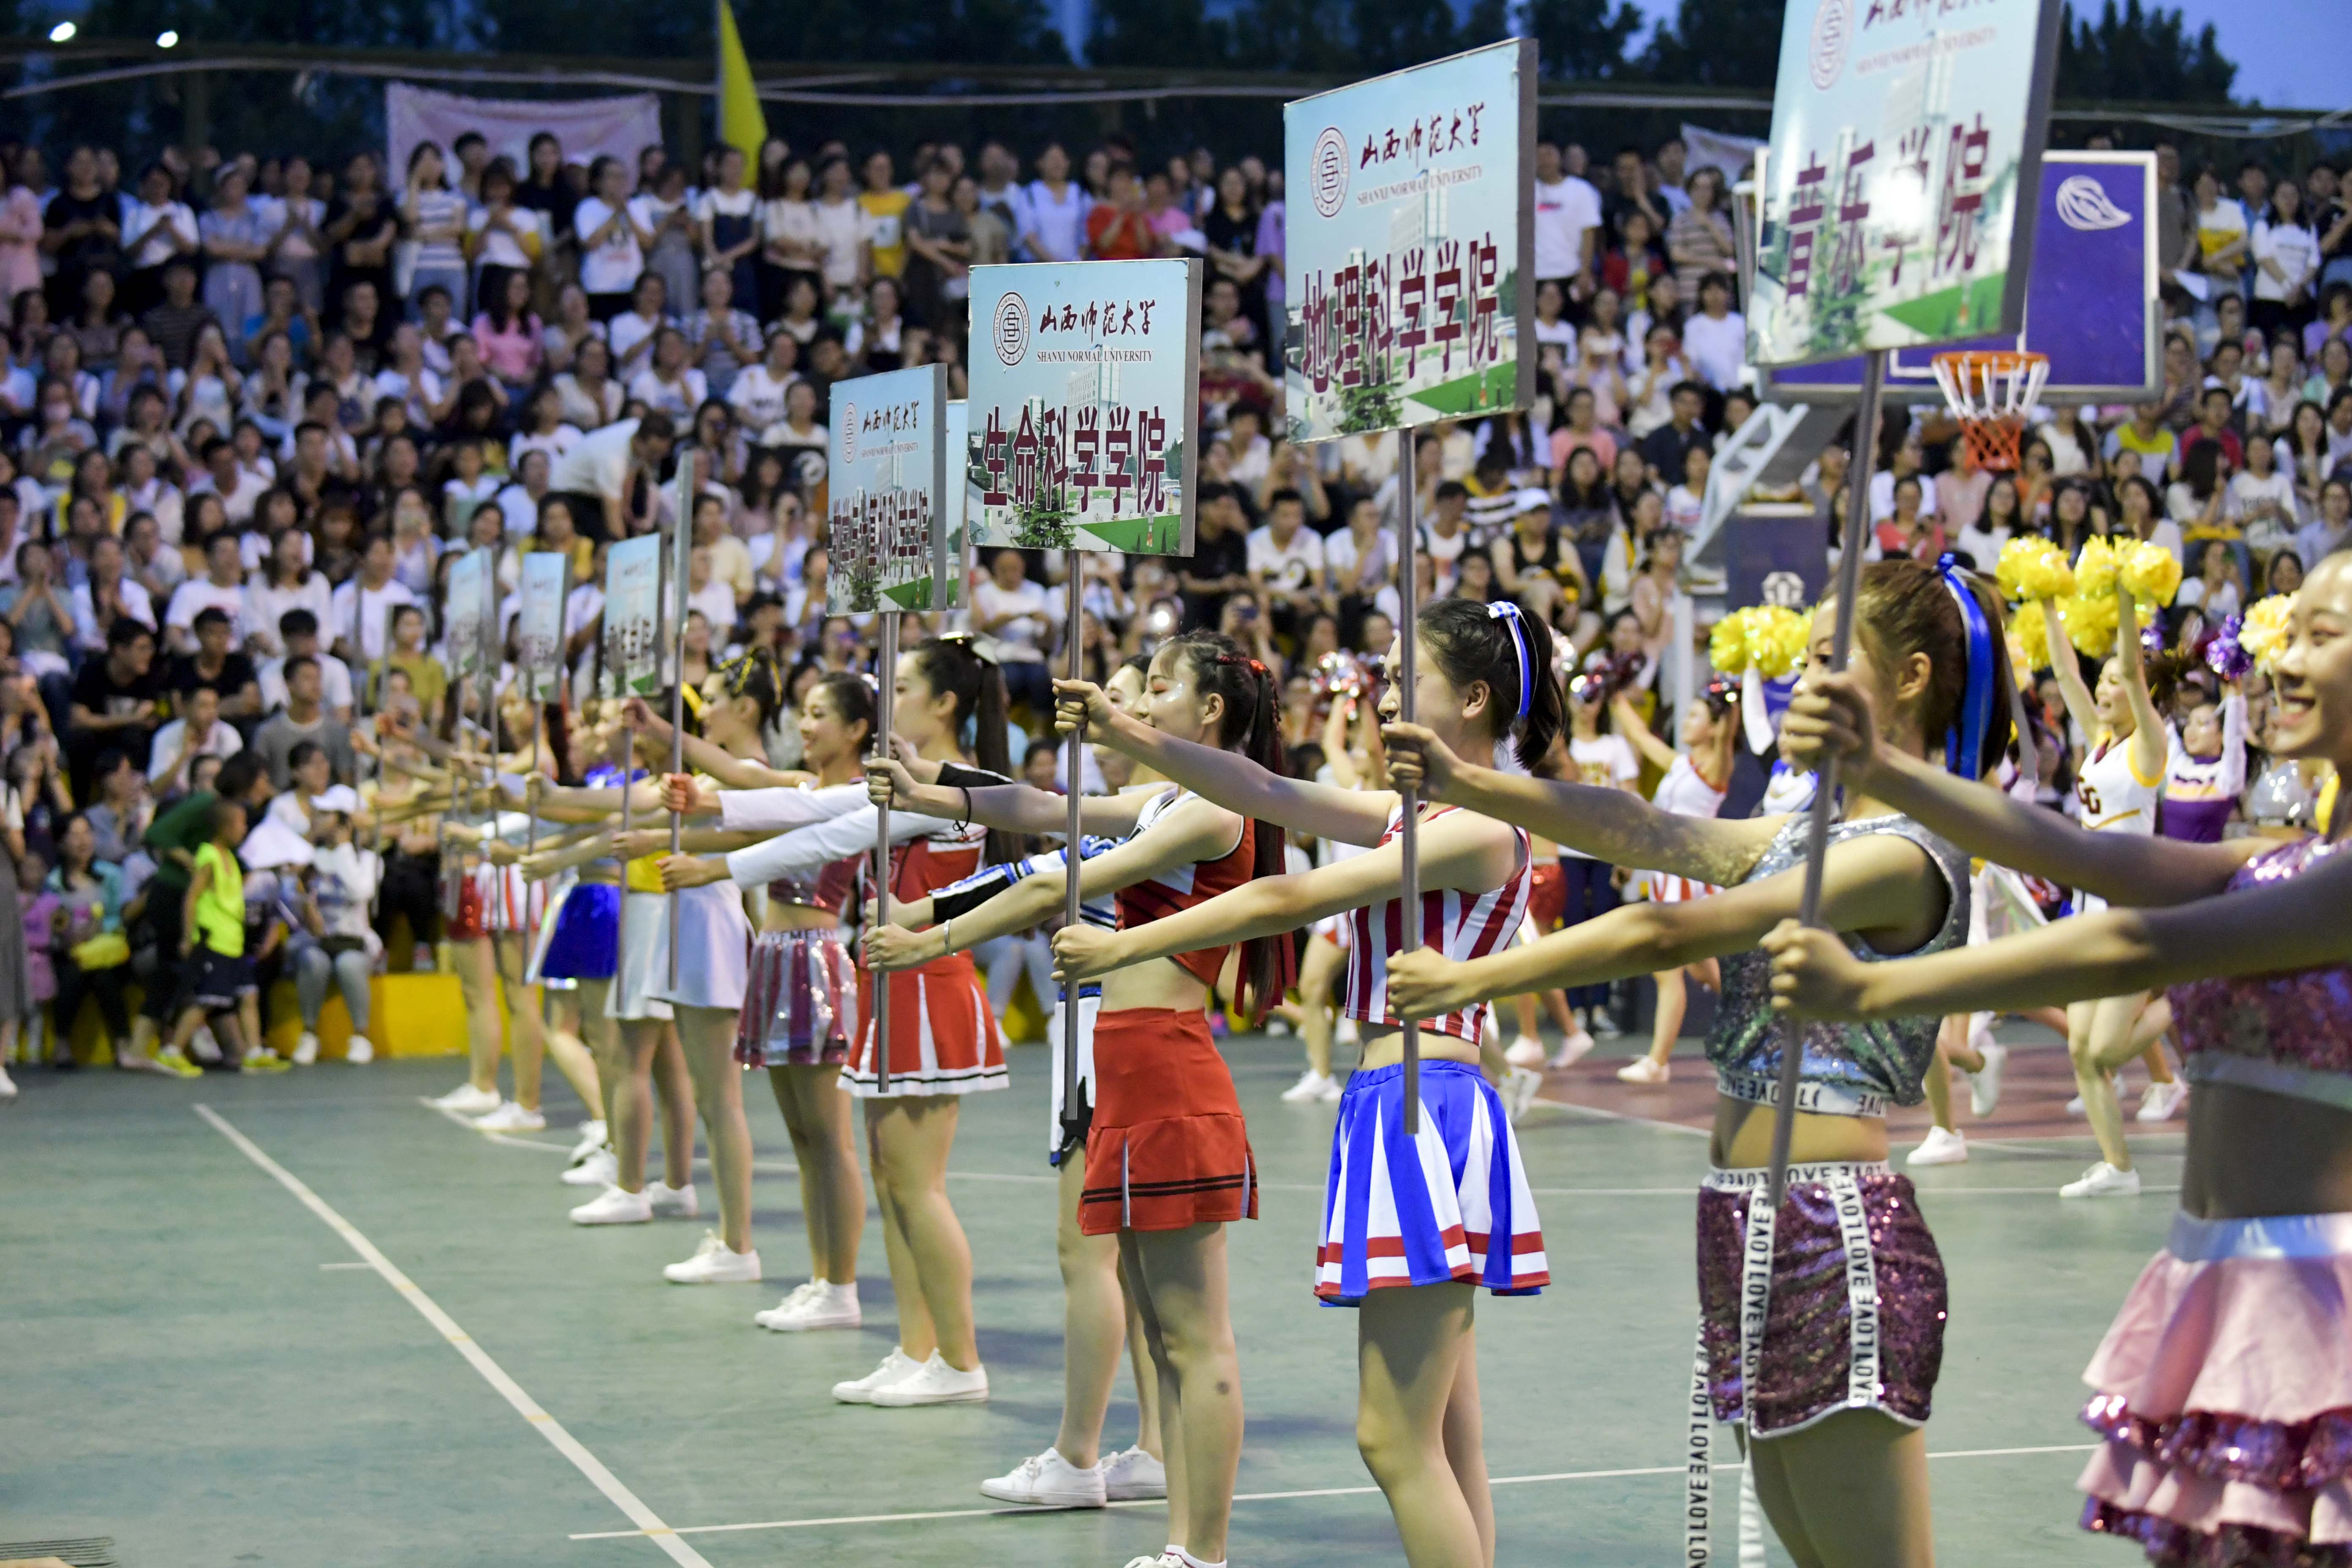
(1743, 1137)
(1387, 1050)
(781, 916)
(2253, 1153)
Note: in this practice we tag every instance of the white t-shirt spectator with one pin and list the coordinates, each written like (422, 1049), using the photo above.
(841, 229)
(200, 594)
(2293, 249)
(136, 603)
(1346, 563)
(626, 330)
(495, 247)
(1717, 350)
(1060, 225)
(522, 511)
(239, 499)
(265, 605)
(158, 250)
(598, 465)
(335, 684)
(679, 398)
(1020, 641)
(612, 267)
(223, 742)
(1881, 495)
(363, 615)
(419, 392)
(557, 442)
(758, 397)
(716, 600)
(1563, 213)
(1288, 567)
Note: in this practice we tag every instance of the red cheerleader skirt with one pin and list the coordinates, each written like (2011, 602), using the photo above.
(1169, 1147)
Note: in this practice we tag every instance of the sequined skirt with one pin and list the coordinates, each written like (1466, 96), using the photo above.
(2224, 1393)
(799, 1003)
(1853, 1315)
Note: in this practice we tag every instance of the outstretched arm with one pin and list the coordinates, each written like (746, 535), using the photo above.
(1015, 807)
(1353, 817)
(2150, 738)
(1870, 884)
(2080, 706)
(734, 771)
(1610, 825)
(2289, 925)
(1831, 717)
(1460, 852)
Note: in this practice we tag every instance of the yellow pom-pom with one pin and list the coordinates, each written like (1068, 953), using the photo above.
(1778, 640)
(2090, 622)
(2264, 631)
(1726, 645)
(2030, 639)
(2149, 570)
(2033, 568)
(2095, 569)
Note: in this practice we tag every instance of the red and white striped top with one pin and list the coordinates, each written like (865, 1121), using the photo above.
(1462, 926)
(1186, 887)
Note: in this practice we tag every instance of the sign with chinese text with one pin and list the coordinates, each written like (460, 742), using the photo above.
(1903, 133)
(468, 590)
(888, 484)
(633, 616)
(1410, 262)
(538, 640)
(1084, 395)
(959, 502)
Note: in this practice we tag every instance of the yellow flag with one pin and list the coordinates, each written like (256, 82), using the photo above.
(740, 123)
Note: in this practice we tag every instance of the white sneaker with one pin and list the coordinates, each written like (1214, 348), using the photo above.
(1312, 1086)
(1165, 1559)
(1601, 1024)
(360, 1052)
(674, 1203)
(1984, 1084)
(2103, 1180)
(1573, 1049)
(1049, 1480)
(601, 1169)
(715, 1263)
(1527, 1051)
(2161, 1101)
(8, 1084)
(817, 1304)
(306, 1049)
(467, 1100)
(204, 1049)
(1645, 1069)
(861, 1391)
(2074, 1107)
(1133, 1476)
(1520, 1088)
(592, 1137)
(510, 1118)
(935, 1383)
(1277, 1028)
(1345, 1033)
(614, 1206)
(1942, 1146)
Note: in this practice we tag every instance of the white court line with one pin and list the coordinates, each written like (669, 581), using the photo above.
(650, 1523)
(325, 1268)
(1263, 1497)
(1624, 1116)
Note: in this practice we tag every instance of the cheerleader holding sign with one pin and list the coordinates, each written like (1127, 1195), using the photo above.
(2223, 1391)
(1409, 1249)
(1168, 1160)
(1834, 1366)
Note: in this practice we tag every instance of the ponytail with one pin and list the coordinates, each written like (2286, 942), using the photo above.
(951, 666)
(1252, 727)
(1511, 652)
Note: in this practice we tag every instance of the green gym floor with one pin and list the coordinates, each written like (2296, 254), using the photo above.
(421, 1362)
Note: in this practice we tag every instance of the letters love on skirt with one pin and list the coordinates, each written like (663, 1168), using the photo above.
(1085, 380)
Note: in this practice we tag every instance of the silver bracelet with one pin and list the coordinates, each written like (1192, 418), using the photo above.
(947, 935)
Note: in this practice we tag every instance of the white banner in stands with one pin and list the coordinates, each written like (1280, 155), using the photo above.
(587, 127)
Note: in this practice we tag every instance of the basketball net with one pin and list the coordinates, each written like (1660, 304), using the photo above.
(1990, 391)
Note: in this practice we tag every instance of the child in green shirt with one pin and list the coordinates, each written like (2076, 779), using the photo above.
(219, 983)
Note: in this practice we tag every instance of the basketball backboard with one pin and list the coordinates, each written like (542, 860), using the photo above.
(2091, 299)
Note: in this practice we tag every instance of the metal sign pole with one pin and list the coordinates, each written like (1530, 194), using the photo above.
(1070, 901)
(680, 553)
(883, 707)
(1409, 831)
(1817, 839)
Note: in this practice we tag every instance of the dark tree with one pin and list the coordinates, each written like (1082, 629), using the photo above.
(1718, 43)
(1170, 32)
(1581, 40)
(2145, 56)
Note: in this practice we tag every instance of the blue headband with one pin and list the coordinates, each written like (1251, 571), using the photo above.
(1965, 740)
(1505, 610)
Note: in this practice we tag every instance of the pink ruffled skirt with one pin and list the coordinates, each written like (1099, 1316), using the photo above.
(2224, 1393)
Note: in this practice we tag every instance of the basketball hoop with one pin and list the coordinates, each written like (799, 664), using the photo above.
(1990, 392)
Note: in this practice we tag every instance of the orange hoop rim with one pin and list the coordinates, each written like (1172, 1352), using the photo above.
(1988, 392)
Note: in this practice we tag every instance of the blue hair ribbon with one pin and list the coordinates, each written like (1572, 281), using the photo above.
(1964, 742)
(1507, 611)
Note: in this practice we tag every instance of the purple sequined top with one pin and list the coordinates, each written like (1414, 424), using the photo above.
(2290, 1032)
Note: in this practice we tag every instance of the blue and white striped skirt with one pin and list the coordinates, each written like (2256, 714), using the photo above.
(1452, 1203)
